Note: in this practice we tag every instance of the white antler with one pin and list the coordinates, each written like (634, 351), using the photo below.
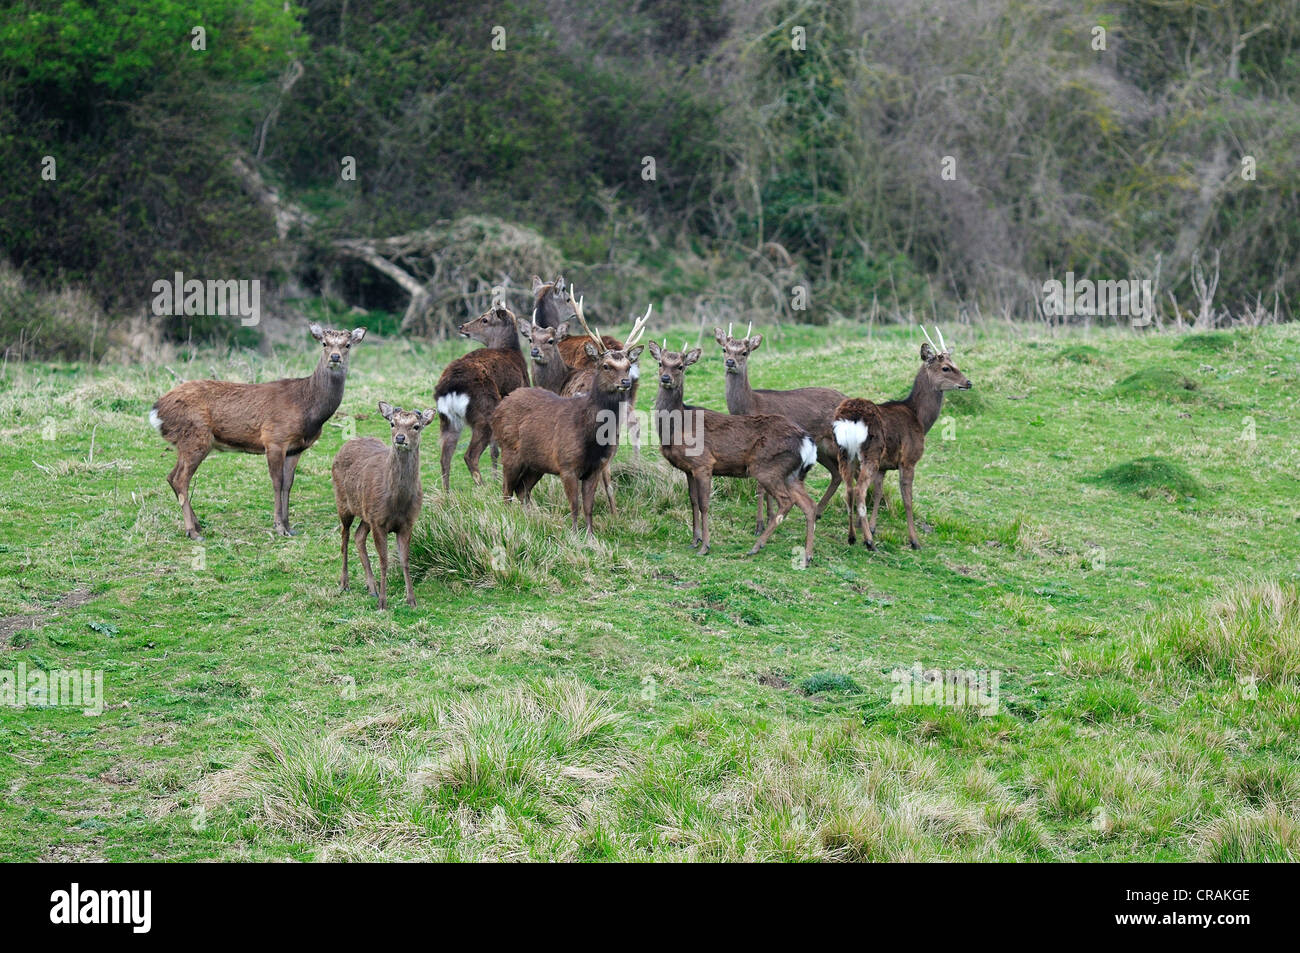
(942, 346)
(582, 319)
(638, 328)
(728, 329)
(927, 338)
(749, 331)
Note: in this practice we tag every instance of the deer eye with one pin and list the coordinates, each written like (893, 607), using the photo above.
(948, 369)
(416, 427)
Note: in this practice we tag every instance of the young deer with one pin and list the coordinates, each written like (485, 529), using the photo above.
(768, 448)
(570, 437)
(280, 419)
(380, 485)
(472, 386)
(874, 438)
(809, 407)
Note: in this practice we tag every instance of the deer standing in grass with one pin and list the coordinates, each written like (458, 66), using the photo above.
(472, 386)
(769, 448)
(570, 437)
(560, 361)
(875, 438)
(379, 484)
(280, 419)
(810, 407)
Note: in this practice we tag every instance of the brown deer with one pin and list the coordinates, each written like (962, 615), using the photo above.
(809, 407)
(472, 386)
(768, 448)
(379, 484)
(875, 438)
(554, 308)
(570, 437)
(280, 419)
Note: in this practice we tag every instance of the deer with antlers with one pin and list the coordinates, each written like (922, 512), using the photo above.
(573, 438)
(810, 407)
(769, 448)
(875, 438)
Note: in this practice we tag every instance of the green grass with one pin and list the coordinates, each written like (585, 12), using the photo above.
(630, 700)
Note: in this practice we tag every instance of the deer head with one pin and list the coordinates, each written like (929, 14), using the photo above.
(544, 342)
(552, 302)
(495, 327)
(406, 425)
(673, 364)
(736, 351)
(337, 345)
(938, 369)
(609, 362)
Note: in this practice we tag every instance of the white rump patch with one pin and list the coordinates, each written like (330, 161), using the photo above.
(850, 435)
(154, 420)
(453, 407)
(809, 453)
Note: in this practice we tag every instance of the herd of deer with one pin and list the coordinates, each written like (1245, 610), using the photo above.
(567, 424)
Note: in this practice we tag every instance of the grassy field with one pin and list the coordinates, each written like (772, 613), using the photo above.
(1111, 528)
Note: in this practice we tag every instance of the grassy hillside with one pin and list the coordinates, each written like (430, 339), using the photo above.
(1110, 522)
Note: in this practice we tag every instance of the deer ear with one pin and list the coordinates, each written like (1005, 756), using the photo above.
(754, 342)
(386, 409)
(633, 354)
(719, 336)
(525, 328)
(537, 284)
(692, 356)
(561, 332)
(317, 332)
(928, 353)
(426, 418)
(358, 334)
(559, 284)
(654, 350)
(592, 353)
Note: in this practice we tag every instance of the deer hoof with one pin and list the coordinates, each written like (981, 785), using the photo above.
(914, 544)
(411, 602)
(870, 545)
(195, 535)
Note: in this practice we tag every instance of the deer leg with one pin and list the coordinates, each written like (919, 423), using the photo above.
(633, 424)
(188, 459)
(478, 441)
(608, 484)
(573, 490)
(846, 471)
(524, 488)
(381, 548)
(495, 452)
(275, 463)
(449, 437)
(758, 518)
(589, 500)
(286, 485)
(784, 500)
(877, 491)
(905, 476)
(805, 503)
(404, 557)
(703, 494)
(360, 538)
(830, 490)
(695, 510)
(345, 519)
